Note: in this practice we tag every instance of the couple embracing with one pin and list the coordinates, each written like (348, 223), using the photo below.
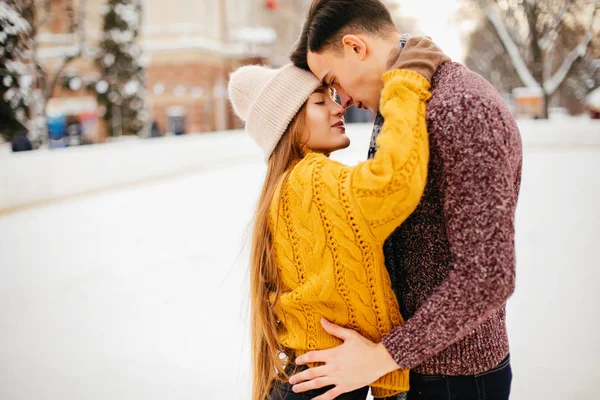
(392, 274)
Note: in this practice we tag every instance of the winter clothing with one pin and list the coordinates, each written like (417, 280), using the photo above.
(420, 55)
(329, 222)
(452, 263)
(282, 390)
(490, 385)
(262, 97)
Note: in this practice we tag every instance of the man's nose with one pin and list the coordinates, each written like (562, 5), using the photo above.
(345, 100)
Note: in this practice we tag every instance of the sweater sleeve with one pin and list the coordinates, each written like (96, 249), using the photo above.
(478, 205)
(388, 188)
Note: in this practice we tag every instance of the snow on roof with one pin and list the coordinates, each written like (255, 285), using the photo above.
(527, 91)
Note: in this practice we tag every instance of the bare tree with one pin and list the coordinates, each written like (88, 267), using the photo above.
(543, 40)
(486, 55)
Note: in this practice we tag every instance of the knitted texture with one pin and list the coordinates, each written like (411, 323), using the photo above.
(419, 54)
(452, 263)
(268, 99)
(329, 222)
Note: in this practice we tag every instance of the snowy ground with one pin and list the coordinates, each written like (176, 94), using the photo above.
(140, 293)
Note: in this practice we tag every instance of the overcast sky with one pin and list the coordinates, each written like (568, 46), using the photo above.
(436, 19)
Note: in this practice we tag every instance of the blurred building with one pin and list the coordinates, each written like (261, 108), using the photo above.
(528, 102)
(190, 48)
(56, 39)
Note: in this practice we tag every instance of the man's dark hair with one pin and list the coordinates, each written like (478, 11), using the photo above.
(329, 20)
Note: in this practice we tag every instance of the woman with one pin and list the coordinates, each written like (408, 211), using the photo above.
(320, 225)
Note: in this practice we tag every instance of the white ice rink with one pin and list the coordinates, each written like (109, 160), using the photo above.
(140, 293)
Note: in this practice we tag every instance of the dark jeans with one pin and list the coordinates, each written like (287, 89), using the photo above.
(283, 391)
(491, 385)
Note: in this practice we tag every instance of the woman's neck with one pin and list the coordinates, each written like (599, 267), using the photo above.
(306, 151)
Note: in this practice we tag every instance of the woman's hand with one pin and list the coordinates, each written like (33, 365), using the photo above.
(419, 54)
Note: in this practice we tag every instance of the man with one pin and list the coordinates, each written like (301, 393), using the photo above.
(452, 263)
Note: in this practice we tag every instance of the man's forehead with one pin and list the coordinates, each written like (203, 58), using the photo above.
(317, 65)
(324, 79)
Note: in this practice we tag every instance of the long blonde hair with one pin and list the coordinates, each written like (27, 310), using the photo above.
(267, 361)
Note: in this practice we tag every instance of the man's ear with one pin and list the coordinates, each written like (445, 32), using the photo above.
(355, 45)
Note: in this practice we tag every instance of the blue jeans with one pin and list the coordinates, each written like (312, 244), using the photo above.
(491, 385)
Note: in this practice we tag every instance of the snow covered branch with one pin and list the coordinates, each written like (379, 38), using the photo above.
(552, 83)
(549, 40)
(510, 46)
(559, 76)
(551, 32)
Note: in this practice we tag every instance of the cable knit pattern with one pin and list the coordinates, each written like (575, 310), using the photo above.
(452, 263)
(329, 222)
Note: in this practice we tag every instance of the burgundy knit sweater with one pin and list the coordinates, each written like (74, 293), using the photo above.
(452, 263)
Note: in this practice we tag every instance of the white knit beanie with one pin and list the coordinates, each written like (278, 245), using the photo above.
(268, 99)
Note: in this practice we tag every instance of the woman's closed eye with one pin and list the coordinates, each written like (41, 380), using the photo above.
(320, 99)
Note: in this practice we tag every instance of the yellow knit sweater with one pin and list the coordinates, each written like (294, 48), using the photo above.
(329, 222)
